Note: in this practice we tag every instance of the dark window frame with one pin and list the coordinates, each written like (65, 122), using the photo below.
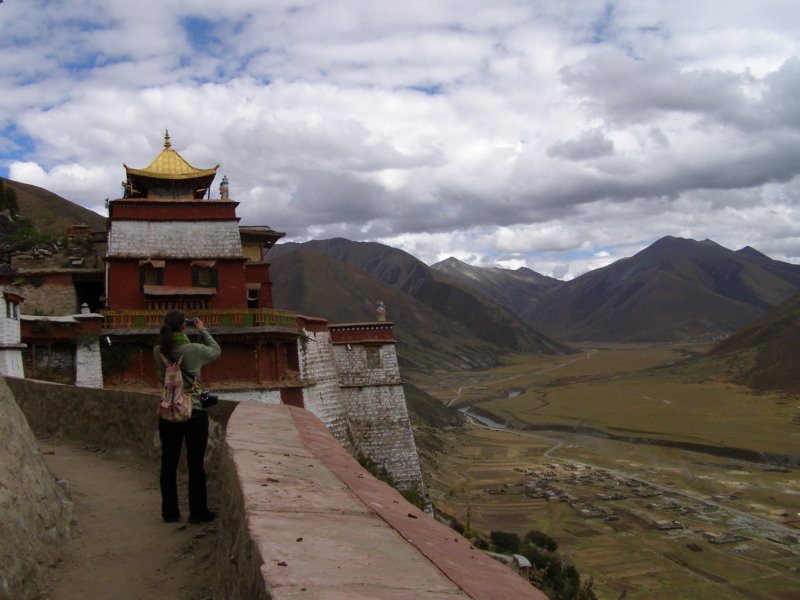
(147, 268)
(198, 271)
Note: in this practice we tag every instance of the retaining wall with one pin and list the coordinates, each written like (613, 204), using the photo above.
(35, 511)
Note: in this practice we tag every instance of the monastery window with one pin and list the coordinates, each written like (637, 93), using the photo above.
(12, 310)
(252, 297)
(150, 274)
(373, 358)
(204, 276)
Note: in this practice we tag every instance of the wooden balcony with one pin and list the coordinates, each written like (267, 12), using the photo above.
(214, 318)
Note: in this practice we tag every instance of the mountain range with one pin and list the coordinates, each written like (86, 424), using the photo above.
(442, 321)
(675, 289)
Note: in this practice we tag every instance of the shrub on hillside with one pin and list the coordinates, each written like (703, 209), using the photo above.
(505, 542)
(541, 539)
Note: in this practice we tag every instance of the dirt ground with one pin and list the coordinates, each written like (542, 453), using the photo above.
(119, 547)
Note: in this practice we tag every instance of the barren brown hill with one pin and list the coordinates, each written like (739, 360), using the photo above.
(768, 351)
(675, 289)
(49, 212)
(484, 320)
(308, 282)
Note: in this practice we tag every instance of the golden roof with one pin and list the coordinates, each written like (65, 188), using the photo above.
(170, 165)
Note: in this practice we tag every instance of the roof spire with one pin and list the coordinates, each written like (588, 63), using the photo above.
(167, 143)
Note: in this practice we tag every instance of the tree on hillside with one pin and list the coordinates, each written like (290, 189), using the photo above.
(505, 542)
(541, 539)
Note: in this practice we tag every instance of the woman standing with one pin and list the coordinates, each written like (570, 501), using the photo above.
(174, 345)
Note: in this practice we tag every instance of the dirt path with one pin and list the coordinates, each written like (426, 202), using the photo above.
(119, 547)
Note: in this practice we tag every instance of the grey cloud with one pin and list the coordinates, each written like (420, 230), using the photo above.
(636, 90)
(590, 144)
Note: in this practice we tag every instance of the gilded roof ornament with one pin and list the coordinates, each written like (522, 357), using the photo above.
(170, 165)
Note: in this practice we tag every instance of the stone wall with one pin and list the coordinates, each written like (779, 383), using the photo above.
(55, 296)
(51, 361)
(175, 239)
(367, 364)
(375, 404)
(35, 511)
(121, 420)
(322, 395)
(380, 417)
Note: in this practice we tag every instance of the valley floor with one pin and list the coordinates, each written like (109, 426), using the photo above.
(647, 521)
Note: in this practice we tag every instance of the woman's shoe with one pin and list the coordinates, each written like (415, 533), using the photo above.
(203, 517)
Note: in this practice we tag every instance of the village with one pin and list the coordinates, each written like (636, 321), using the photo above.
(626, 502)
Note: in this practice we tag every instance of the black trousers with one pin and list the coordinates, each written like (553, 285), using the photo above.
(195, 433)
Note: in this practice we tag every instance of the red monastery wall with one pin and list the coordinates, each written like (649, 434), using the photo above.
(173, 210)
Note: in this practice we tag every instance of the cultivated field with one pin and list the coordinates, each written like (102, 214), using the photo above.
(644, 519)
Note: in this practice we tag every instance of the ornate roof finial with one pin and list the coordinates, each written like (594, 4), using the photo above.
(167, 143)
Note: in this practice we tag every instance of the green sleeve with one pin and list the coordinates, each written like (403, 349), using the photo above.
(211, 350)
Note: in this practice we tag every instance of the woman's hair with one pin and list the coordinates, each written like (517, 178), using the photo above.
(173, 323)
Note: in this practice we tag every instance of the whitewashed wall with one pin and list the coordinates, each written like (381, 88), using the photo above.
(175, 239)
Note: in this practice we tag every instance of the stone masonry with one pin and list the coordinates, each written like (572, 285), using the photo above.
(35, 511)
(189, 239)
(322, 395)
(355, 389)
(373, 398)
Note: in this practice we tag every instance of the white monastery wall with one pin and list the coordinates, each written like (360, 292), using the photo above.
(373, 397)
(11, 363)
(9, 330)
(322, 395)
(379, 418)
(175, 239)
(88, 366)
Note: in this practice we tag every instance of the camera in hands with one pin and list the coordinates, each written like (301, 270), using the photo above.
(208, 399)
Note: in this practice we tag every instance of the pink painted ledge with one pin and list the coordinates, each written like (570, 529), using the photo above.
(325, 529)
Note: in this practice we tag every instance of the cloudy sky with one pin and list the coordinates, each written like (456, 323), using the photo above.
(555, 135)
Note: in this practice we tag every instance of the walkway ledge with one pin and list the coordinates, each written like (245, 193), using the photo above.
(300, 518)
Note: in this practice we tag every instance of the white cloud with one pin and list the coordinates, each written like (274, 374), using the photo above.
(505, 133)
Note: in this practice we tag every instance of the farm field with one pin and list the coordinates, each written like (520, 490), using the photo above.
(646, 520)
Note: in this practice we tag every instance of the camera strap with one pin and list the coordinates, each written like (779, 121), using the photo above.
(195, 385)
